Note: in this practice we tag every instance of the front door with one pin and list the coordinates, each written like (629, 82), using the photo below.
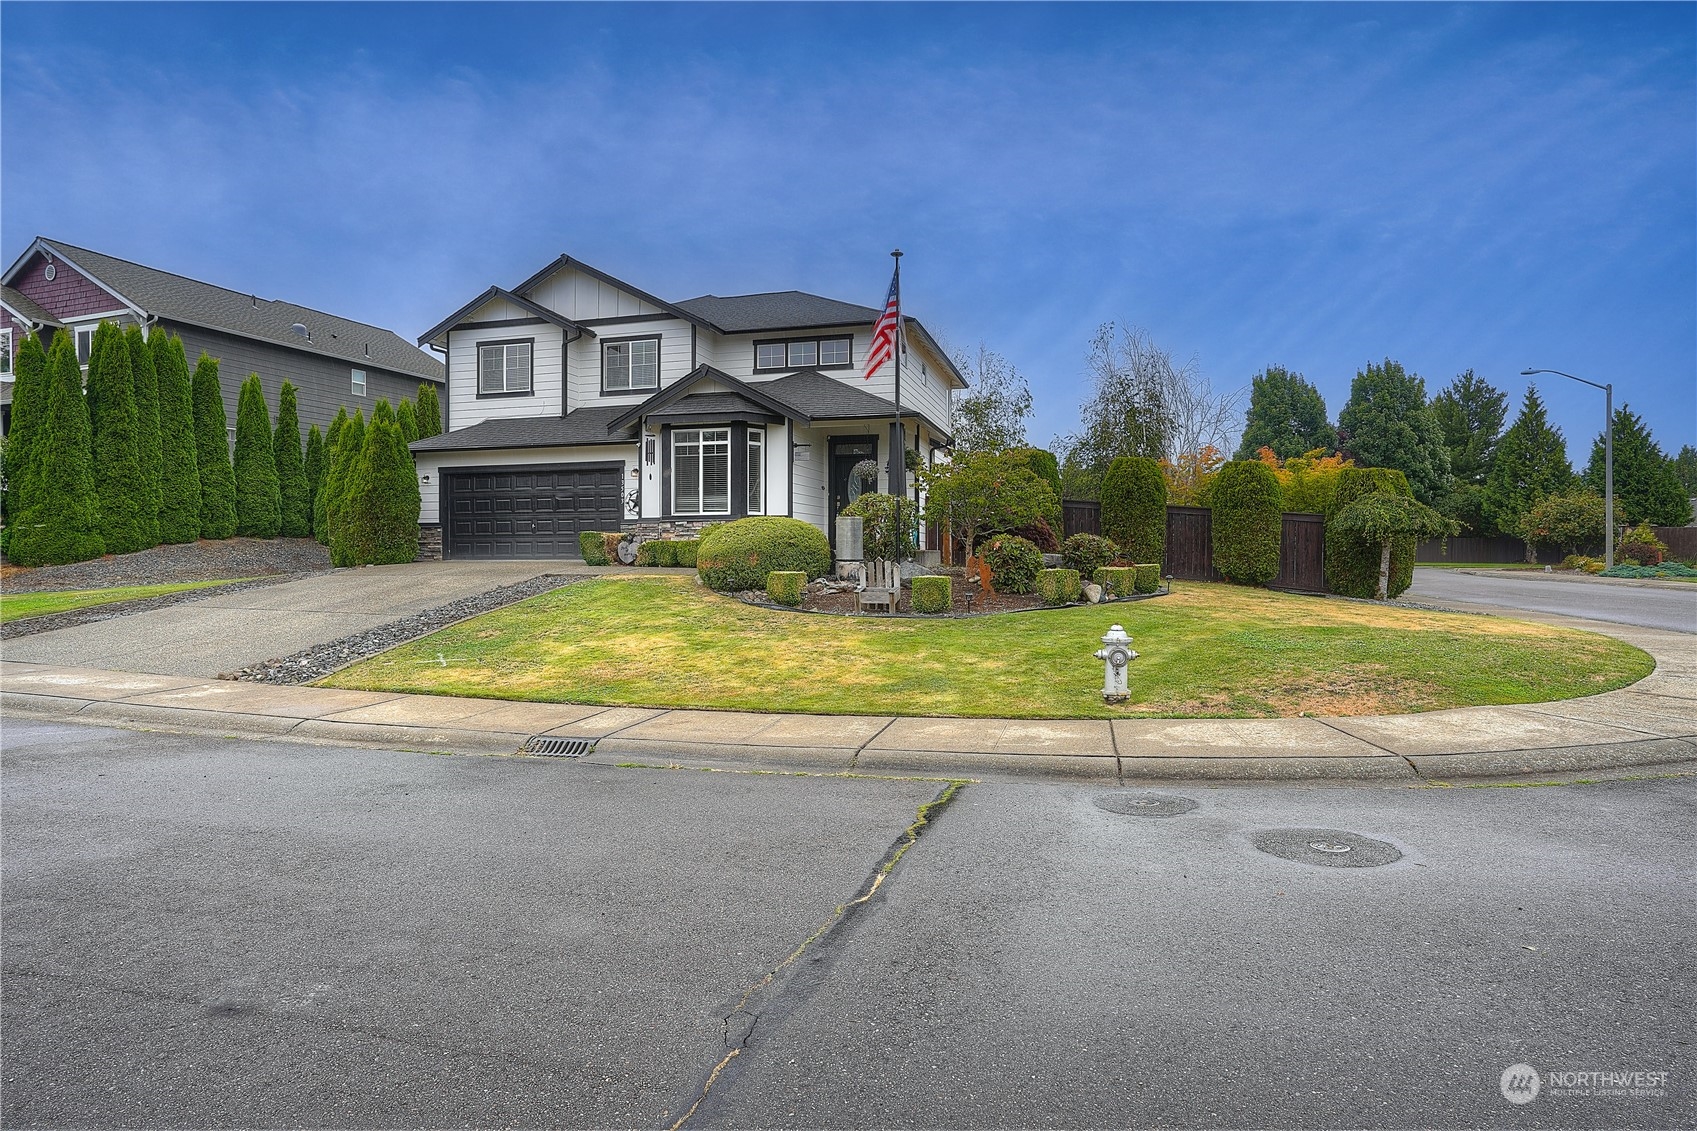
(846, 451)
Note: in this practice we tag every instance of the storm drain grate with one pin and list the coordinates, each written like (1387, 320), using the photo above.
(1145, 804)
(1330, 848)
(547, 747)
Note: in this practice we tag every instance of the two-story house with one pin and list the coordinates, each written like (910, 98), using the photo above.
(56, 287)
(577, 402)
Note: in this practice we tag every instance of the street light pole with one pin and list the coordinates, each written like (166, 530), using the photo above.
(1608, 456)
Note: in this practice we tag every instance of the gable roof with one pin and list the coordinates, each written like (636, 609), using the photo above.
(573, 330)
(777, 310)
(565, 261)
(26, 309)
(677, 389)
(815, 396)
(180, 299)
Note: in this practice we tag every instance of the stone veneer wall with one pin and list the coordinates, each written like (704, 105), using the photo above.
(429, 543)
(666, 528)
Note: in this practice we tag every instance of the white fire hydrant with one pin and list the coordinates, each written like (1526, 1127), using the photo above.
(1116, 656)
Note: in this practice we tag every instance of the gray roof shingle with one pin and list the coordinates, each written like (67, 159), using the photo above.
(730, 406)
(776, 310)
(27, 306)
(585, 426)
(818, 397)
(202, 304)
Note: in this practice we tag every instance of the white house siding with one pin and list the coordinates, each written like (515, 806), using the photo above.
(810, 503)
(923, 390)
(430, 465)
(581, 297)
(735, 354)
(466, 408)
(584, 366)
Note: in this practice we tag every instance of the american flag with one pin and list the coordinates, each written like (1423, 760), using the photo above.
(887, 330)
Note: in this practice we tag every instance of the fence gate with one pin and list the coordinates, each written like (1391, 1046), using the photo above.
(1302, 554)
(1190, 544)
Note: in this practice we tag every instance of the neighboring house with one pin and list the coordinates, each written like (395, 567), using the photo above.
(19, 315)
(54, 287)
(577, 402)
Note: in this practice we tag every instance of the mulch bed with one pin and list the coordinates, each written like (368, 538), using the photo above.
(192, 561)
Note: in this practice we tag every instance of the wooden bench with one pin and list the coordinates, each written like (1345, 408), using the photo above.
(881, 585)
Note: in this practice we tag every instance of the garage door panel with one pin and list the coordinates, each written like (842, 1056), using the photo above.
(531, 514)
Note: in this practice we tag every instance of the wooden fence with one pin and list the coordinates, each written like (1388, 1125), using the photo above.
(1080, 517)
(1681, 543)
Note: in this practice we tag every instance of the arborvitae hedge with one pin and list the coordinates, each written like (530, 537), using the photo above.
(119, 484)
(61, 524)
(259, 504)
(429, 412)
(293, 497)
(179, 469)
(321, 487)
(1248, 517)
(1134, 508)
(350, 443)
(384, 413)
(31, 389)
(212, 453)
(313, 466)
(148, 442)
(381, 509)
(1352, 565)
(407, 417)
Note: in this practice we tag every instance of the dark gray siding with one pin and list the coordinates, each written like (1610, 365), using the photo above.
(324, 384)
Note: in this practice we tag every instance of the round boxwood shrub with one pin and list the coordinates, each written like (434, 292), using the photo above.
(933, 595)
(734, 556)
(1013, 563)
(1247, 505)
(784, 586)
(1058, 586)
(1134, 508)
(1352, 565)
(1118, 581)
(593, 548)
(1088, 553)
(1146, 578)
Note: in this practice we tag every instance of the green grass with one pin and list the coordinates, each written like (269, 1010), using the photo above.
(1207, 651)
(18, 606)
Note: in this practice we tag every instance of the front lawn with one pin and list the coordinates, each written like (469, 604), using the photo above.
(1206, 651)
(17, 606)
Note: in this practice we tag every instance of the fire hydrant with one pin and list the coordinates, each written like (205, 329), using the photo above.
(1116, 656)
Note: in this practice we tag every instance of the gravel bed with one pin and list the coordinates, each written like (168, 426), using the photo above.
(325, 659)
(70, 618)
(192, 561)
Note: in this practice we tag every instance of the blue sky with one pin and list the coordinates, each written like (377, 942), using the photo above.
(1474, 186)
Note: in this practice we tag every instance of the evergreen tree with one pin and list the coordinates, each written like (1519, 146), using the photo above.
(384, 412)
(1470, 412)
(31, 389)
(381, 508)
(212, 453)
(1286, 414)
(148, 439)
(62, 522)
(1530, 462)
(314, 469)
(429, 412)
(407, 417)
(259, 507)
(321, 492)
(119, 484)
(179, 469)
(1647, 486)
(1387, 423)
(1684, 465)
(349, 445)
(292, 492)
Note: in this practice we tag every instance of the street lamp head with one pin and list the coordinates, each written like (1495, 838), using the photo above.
(1527, 372)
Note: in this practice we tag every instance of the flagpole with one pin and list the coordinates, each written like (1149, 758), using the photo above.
(898, 458)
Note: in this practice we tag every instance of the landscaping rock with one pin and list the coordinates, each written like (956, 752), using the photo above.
(208, 560)
(1093, 593)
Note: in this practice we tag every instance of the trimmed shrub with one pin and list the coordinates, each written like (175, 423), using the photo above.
(1087, 553)
(738, 555)
(1118, 581)
(593, 548)
(686, 550)
(1247, 507)
(212, 453)
(381, 507)
(179, 468)
(1352, 564)
(148, 441)
(1134, 508)
(60, 525)
(887, 523)
(932, 595)
(259, 502)
(1146, 578)
(784, 586)
(657, 552)
(292, 492)
(1013, 563)
(120, 487)
(1058, 586)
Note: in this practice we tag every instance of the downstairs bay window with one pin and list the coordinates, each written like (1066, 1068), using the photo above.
(701, 471)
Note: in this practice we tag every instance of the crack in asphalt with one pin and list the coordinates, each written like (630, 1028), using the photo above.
(784, 979)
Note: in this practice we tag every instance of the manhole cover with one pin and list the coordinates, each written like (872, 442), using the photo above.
(1145, 804)
(547, 747)
(1329, 848)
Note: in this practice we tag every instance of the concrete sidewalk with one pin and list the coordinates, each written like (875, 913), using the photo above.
(1652, 722)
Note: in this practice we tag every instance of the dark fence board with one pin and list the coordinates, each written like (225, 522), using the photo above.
(1190, 544)
(1681, 540)
(1080, 517)
(1302, 554)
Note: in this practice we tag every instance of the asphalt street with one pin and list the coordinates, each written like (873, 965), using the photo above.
(1650, 607)
(210, 933)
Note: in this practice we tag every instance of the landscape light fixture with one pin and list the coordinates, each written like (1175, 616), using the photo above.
(1608, 457)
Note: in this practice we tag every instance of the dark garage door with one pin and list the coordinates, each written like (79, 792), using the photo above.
(531, 512)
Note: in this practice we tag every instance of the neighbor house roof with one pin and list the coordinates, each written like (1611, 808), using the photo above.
(585, 426)
(26, 308)
(180, 299)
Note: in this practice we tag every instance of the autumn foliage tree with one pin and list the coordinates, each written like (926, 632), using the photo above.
(1309, 482)
(1190, 475)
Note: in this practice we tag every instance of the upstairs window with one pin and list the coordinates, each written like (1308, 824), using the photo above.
(359, 383)
(503, 368)
(6, 352)
(630, 365)
(805, 353)
(85, 344)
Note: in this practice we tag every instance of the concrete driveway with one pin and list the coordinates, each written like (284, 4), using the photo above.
(221, 634)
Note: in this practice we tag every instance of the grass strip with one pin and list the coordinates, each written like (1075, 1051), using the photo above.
(21, 606)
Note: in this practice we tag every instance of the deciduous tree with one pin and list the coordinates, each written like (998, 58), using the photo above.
(990, 416)
(984, 491)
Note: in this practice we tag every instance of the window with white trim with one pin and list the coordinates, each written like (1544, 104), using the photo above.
(359, 382)
(6, 351)
(85, 344)
(701, 471)
(756, 471)
(805, 353)
(630, 365)
(503, 369)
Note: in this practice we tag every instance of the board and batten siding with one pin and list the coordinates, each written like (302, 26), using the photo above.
(546, 397)
(323, 384)
(584, 361)
(583, 298)
(431, 465)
